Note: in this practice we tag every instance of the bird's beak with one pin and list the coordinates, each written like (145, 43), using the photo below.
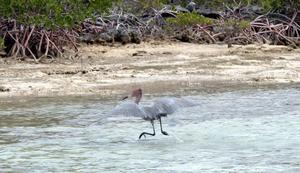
(124, 98)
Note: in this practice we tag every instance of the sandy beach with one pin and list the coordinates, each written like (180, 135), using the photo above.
(106, 70)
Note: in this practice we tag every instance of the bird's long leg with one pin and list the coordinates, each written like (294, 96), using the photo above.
(146, 133)
(163, 132)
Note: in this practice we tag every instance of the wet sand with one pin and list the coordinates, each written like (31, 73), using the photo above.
(155, 66)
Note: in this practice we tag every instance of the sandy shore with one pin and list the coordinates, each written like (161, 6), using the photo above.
(104, 70)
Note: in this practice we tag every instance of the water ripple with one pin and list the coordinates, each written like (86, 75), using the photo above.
(242, 131)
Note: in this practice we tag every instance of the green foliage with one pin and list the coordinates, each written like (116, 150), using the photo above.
(51, 13)
(238, 24)
(279, 4)
(153, 3)
(189, 19)
(266, 4)
(272, 4)
(140, 6)
(244, 24)
(1, 43)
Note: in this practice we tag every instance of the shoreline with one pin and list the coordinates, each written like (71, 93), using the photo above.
(154, 66)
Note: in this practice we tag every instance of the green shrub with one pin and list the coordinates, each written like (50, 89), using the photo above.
(51, 13)
(237, 24)
(153, 3)
(279, 4)
(244, 24)
(189, 19)
(266, 4)
(1, 43)
(272, 4)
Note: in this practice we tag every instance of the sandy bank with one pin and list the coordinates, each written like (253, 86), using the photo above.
(105, 70)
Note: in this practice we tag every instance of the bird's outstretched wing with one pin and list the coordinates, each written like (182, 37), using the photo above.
(169, 105)
(128, 108)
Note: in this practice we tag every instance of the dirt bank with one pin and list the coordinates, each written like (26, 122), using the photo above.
(105, 70)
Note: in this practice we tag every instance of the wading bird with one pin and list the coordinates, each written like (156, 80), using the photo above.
(159, 108)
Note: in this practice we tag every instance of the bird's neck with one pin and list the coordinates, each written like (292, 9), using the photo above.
(138, 99)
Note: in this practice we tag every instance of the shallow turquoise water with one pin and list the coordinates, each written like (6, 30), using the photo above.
(239, 131)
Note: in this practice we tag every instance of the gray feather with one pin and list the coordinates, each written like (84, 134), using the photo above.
(166, 105)
(128, 108)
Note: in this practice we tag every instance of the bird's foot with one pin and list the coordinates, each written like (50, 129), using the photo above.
(145, 133)
(142, 134)
(164, 133)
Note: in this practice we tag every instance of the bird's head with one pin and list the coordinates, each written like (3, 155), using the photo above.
(137, 93)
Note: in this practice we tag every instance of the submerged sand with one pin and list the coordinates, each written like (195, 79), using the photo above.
(159, 66)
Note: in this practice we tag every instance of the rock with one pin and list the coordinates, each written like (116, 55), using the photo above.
(206, 12)
(183, 37)
(168, 14)
(221, 37)
(9, 43)
(120, 35)
(191, 6)
(180, 9)
(135, 37)
(4, 89)
(175, 1)
(124, 37)
(2, 53)
(105, 37)
(139, 53)
(256, 9)
(165, 13)
(88, 38)
(148, 13)
(256, 79)
(167, 53)
(125, 68)
(282, 58)
(113, 33)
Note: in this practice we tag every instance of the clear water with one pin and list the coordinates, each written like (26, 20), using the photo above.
(241, 131)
